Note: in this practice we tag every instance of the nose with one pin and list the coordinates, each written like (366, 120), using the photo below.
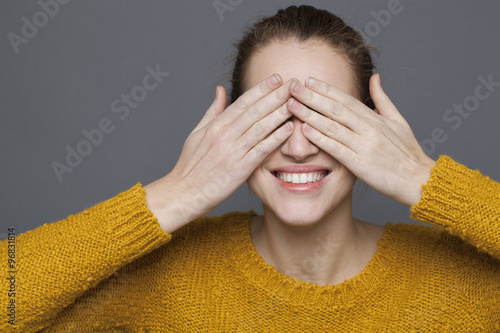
(297, 145)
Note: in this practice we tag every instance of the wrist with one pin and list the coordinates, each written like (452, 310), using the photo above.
(165, 205)
(423, 177)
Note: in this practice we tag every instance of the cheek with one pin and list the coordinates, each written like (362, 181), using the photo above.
(251, 180)
(259, 179)
(256, 179)
(346, 173)
(257, 186)
(348, 178)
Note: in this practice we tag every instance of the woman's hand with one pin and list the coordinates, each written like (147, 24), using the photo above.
(221, 153)
(378, 147)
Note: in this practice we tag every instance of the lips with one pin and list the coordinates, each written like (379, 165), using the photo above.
(300, 169)
(300, 178)
(282, 176)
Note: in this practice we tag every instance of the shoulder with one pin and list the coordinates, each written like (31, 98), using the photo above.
(212, 230)
(430, 241)
(441, 261)
(442, 273)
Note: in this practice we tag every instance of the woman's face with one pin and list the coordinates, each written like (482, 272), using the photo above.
(301, 204)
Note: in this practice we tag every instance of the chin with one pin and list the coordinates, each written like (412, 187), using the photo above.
(299, 219)
(297, 214)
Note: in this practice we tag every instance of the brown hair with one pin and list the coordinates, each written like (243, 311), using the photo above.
(305, 23)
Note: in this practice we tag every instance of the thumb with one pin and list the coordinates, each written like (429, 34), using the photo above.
(220, 100)
(383, 103)
(218, 105)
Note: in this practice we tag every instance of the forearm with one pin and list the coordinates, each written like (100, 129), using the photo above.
(58, 262)
(464, 202)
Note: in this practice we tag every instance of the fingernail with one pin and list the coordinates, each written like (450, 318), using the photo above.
(289, 126)
(296, 87)
(306, 128)
(311, 82)
(274, 80)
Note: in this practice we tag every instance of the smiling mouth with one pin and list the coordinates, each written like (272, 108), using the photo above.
(301, 178)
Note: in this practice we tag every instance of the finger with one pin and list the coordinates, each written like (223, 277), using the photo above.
(250, 97)
(327, 126)
(254, 157)
(329, 107)
(218, 105)
(336, 94)
(221, 102)
(337, 150)
(261, 129)
(383, 103)
(261, 109)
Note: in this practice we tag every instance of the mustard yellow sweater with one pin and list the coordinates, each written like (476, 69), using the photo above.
(111, 268)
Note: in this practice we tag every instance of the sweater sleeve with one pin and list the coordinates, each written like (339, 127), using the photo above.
(56, 263)
(463, 202)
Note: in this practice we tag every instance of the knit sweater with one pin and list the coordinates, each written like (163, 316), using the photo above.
(111, 268)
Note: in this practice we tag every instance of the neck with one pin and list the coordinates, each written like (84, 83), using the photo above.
(328, 251)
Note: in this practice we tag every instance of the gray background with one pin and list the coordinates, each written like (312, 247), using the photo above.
(66, 77)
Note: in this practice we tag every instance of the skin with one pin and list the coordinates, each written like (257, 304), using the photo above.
(288, 233)
(242, 142)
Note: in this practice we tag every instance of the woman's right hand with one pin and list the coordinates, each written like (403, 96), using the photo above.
(221, 153)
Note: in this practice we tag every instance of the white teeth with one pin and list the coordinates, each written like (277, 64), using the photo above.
(301, 178)
(309, 177)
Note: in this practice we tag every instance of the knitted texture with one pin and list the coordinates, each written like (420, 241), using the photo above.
(112, 268)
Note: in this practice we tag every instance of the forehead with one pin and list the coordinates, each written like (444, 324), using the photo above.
(294, 59)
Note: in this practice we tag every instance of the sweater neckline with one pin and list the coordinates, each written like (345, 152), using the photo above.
(263, 276)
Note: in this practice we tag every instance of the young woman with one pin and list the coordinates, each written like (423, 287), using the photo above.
(307, 117)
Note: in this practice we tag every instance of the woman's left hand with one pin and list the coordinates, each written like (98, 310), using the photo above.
(378, 146)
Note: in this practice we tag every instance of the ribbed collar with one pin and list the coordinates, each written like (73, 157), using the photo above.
(263, 276)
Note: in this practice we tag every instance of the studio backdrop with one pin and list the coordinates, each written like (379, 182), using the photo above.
(96, 96)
